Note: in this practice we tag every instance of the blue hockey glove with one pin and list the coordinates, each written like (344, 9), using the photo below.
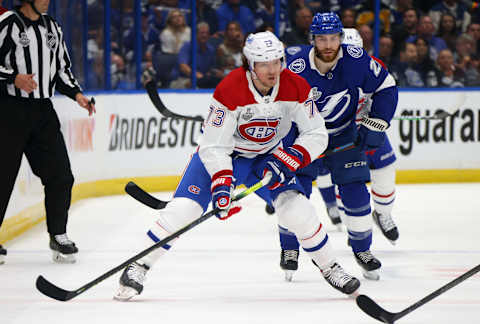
(282, 163)
(222, 189)
(371, 134)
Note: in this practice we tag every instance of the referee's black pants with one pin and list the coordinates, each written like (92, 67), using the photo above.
(31, 126)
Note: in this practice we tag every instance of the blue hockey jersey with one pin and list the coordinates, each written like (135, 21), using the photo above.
(355, 78)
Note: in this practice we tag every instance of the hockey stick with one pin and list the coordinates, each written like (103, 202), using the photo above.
(441, 114)
(162, 109)
(374, 310)
(144, 197)
(55, 292)
(147, 199)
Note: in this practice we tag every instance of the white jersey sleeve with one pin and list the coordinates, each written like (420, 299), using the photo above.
(217, 142)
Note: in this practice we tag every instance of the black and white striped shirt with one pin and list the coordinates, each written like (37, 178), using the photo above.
(34, 47)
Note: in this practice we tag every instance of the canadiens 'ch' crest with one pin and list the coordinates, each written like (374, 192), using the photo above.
(297, 66)
(354, 51)
(260, 131)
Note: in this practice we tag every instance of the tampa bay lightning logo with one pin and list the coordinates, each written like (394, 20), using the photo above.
(297, 66)
(354, 51)
(292, 50)
(260, 131)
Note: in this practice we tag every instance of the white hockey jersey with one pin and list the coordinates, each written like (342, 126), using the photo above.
(242, 121)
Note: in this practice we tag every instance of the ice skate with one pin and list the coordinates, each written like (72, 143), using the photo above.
(289, 263)
(63, 250)
(369, 264)
(334, 215)
(386, 225)
(339, 279)
(131, 281)
(3, 254)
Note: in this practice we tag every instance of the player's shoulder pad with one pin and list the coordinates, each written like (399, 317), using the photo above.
(352, 52)
(298, 61)
(292, 87)
(233, 90)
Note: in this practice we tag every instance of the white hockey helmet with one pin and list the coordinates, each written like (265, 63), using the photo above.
(263, 47)
(351, 36)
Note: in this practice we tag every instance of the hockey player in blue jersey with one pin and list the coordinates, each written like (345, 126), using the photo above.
(382, 171)
(341, 76)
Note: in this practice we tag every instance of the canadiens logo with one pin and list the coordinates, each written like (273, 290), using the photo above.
(194, 189)
(260, 131)
(297, 66)
(354, 51)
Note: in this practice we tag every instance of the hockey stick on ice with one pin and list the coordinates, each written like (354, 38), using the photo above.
(160, 106)
(374, 310)
(55, 292)
(147, 199)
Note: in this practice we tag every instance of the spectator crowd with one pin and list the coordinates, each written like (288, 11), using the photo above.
(423, 43)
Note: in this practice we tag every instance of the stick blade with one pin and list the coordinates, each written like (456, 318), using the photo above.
(145, 198)
(52, 291)
(370, 307)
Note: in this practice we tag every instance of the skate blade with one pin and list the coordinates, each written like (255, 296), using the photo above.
(393, 242)
(125, 293)
(289, 275)
(2, 259)
(371, 275)
(63, 258)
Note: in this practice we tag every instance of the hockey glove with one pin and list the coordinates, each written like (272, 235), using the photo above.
(371, 134)
(222, 189)
(282, 163)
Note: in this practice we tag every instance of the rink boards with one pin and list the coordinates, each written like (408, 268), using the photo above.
(128, 139)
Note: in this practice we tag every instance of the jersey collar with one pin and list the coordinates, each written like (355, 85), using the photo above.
(311, 58)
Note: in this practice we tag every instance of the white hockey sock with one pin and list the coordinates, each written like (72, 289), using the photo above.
(296, 212)
(383, 189)
(178, 213)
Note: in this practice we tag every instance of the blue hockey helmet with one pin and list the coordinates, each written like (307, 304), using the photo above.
(326, 23)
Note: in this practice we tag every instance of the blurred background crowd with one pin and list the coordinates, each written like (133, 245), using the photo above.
(424, 43)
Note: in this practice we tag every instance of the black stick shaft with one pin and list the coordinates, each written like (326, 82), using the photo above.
(439, 291)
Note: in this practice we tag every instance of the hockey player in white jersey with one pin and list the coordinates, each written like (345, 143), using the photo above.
(252, 109)
(342, 76)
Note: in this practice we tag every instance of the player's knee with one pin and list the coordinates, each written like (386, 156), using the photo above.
(354, 195)
(178, 213)
(296, 213)
(383, 180)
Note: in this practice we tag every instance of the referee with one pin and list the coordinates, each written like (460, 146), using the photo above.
(33, 64)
